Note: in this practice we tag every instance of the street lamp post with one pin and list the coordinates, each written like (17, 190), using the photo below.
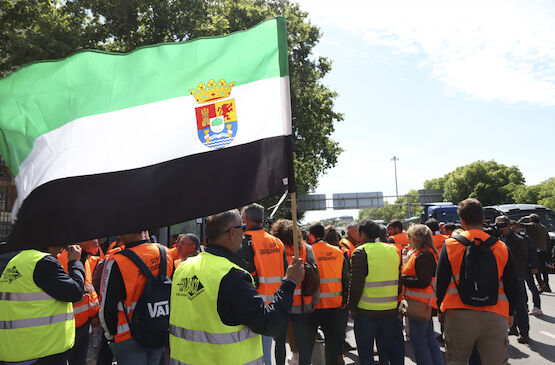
(395, 159)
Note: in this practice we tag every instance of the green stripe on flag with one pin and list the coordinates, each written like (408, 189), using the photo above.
(47, 95)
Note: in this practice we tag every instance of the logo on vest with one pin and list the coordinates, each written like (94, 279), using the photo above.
(329, 257)
(10, 275)
(190, 287)
(158, 309)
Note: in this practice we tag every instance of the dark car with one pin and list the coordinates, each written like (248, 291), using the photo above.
(517, 211)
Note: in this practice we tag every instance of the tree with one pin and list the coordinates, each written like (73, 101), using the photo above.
(390, 212)
(542, 193)
(489, 182)
(48, 29)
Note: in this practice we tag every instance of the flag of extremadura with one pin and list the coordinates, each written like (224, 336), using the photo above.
(102, 143)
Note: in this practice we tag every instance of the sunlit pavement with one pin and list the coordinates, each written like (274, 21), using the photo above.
(540, 350)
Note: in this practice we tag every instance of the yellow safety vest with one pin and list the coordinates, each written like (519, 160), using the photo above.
(32, 323)
(197, 334)
(381, 285)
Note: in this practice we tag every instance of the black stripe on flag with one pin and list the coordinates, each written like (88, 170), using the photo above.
(79, 208)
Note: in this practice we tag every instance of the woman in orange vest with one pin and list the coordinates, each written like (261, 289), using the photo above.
(302, 305)
(418, 279)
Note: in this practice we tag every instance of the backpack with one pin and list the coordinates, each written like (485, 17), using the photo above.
(478, 280)
(150, 322)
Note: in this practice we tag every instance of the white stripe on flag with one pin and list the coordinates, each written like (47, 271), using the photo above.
(149, 134)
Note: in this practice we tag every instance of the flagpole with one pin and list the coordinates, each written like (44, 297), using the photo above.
(295, 226)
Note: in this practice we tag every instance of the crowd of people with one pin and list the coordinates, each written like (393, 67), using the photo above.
(229, 299)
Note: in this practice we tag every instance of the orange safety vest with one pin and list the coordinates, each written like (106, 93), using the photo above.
(439, 240)
(172, 252)
(401, 240)
(135, 282)
(298, 299)
(329, 260)
(345, 242)
(88, 306)
(422, 295)
(455, 253)
(269, 262)
(95, 259)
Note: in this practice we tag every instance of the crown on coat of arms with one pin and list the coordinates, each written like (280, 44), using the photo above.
(212, 91)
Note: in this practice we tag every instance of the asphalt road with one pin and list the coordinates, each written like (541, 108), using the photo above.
(540, 350)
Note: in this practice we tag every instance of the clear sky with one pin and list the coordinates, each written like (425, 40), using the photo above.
(439, 84)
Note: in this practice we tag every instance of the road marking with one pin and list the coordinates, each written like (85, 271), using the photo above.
(547, 334)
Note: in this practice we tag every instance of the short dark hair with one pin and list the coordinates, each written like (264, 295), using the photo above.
(193, 237)
(471, 211)
(317, 230)
(253, 212)
(217, 224)
(331, 236)
(370, 228)
(396, 224)
(433, 225)
(450, 226)
(383, 233)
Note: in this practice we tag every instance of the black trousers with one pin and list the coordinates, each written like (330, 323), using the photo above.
(522, 322)
(545, 260)
(332, 322)
(78, 354)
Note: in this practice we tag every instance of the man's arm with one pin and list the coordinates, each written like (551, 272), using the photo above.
(345, 278)
(443, 275)
(510, 283)
(359, 271)
(240, 303)
(113, 293)
(50, 276)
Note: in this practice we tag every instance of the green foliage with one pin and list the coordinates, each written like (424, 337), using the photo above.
(487, 181)
(390, 212)
(542, 193)
(34, 30)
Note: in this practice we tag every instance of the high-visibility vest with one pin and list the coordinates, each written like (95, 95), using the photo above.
(381, 284)
(172, 252)
(32, 323)
(94, 260)
(401, 240)
(329, 260)
(345, 242)
(197, 333)
(455, 254)
(439, 240)
(88, 306)
(134, 281)
(298, 299)
(269, 262)
(425, 295)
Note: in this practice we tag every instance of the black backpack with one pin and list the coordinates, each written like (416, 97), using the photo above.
(151, 317)
(478, 285)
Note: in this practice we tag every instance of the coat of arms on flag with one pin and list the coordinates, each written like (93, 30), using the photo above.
(216, 118)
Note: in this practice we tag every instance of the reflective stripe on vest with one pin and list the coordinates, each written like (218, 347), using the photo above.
(212, 338)
(197, 334)
(25, 297)
(270, 280)
(259, 361)
(381, 284)
(35, 322)
(455, 254)
(32, 323)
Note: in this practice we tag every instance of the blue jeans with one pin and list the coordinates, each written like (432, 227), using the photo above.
(129, 352)
(534, 290)
(267, 349)
(388, 332)
(424, 344)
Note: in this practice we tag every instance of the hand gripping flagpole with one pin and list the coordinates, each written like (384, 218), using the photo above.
(295, 227)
